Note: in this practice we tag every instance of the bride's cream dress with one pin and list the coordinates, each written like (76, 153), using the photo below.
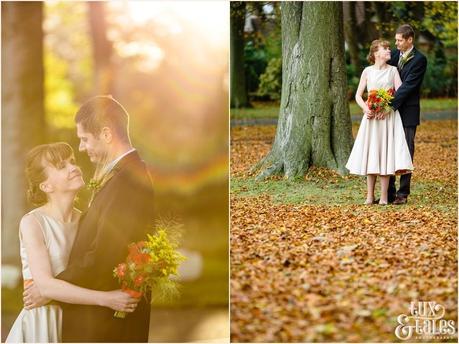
(380, 146)
(43, 324)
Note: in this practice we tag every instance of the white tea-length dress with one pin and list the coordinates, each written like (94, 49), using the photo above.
(44, 324)
(380, 146)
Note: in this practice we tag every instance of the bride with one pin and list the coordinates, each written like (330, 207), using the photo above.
(380, 148)
(46, 237)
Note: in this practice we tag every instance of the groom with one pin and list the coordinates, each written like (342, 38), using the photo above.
(119, 213)
(411, 65)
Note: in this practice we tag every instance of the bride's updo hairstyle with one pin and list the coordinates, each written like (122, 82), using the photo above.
(374, 48)
(36, 159)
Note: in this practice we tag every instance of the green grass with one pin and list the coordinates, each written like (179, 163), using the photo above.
(259, 110)
(341, 191)
(316, 191)
(271, 109)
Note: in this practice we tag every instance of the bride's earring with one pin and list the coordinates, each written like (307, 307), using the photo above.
(45, 187)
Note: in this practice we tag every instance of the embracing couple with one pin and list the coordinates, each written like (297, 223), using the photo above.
(68, 256)
(384, 145)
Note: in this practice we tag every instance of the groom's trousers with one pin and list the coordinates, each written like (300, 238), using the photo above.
(405, 179)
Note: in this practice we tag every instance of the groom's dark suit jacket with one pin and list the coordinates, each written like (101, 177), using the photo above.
(407, 97)
(120, 213)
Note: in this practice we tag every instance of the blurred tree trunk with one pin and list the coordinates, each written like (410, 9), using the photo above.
(351, 31)
(384, 14)
(314, 126)
(239, 96)
(23, 123)
(102, 48)
(366, 28)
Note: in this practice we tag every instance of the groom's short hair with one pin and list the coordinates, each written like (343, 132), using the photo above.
(104, 111)
(406, 31)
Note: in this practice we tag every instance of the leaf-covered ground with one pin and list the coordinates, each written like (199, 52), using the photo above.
(309, 262)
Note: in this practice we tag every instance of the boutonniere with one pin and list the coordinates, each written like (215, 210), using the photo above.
(406, 58)
(94, 185)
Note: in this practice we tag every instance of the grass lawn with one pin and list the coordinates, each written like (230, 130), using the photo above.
(341, 191)
(271, 109)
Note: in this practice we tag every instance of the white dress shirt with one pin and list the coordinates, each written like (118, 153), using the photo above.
(113, 163)
(406, 52)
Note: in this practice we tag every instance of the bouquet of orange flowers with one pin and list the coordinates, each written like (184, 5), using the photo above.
(150, 265)
(379, 100)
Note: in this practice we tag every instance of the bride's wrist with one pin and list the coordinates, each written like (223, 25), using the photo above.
(103, 299)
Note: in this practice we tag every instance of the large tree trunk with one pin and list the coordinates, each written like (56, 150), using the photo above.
(239, 97)
(351, 31)
(102, 48)
(23, 124)
(314, 126)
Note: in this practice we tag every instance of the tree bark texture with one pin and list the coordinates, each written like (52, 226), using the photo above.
(314, 126)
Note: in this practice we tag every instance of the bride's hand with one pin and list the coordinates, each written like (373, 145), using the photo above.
(368, 113)
(32, 297)
(382, 114)
(118, 300)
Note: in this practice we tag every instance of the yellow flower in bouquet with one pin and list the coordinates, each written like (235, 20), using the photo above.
(150, 265)
(379, 100)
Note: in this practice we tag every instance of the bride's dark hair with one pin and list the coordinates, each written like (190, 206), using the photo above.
(374, 48)
(53, 153)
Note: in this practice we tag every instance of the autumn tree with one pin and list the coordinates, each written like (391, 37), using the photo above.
(239, 96)
(314, 126)
(23, 123)
(102, 48)
(352, 35)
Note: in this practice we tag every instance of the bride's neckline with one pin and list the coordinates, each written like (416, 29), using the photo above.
(75, 216)
(385, 68)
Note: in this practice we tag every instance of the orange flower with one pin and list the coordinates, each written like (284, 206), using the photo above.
(140, 258)
(138, 280)
(133, 293)
(121, 270)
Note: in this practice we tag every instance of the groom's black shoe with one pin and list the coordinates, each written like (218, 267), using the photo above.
(400, 200)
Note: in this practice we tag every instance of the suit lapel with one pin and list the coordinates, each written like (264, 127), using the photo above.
(105, 179)
(408, 63)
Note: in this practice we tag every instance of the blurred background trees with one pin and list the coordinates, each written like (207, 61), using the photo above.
(167, 63)
(22, 100)
(435, 23)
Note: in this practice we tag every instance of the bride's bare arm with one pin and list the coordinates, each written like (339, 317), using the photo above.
(359, 93)
(52, 288)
